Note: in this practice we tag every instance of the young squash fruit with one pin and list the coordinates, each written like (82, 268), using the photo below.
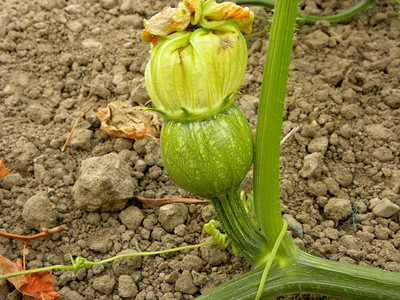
(209, 157)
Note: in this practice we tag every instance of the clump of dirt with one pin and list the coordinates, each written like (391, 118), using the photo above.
(340, 173)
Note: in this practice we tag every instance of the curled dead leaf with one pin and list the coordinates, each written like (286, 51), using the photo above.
(3, 169)
(39, 285)
(120, 119)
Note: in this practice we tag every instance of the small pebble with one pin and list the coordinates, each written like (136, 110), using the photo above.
(337, 209)
(184, 283)
(104, 284)
(131, 217)
(38, 212)
(172, 215)
(385, 208)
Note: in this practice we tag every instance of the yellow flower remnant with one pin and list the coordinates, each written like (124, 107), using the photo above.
(214, 13)
(167, 21)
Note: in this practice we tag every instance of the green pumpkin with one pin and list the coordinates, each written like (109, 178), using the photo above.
(208, 157)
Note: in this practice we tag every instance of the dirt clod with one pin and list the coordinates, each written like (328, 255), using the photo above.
(105, 183)
(39, 213)
(337, 209)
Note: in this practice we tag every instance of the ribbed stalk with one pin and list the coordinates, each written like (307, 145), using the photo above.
(239, 228)
(269, 124)
(309, 274)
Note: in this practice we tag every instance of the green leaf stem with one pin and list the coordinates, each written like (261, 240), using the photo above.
(309, 19)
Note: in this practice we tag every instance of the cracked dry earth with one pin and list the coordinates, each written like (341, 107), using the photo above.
(340, 173)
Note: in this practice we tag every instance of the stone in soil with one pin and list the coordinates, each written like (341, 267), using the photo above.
(127, 287)
(184, 283)
(172, 215)
(125, 266)
(105, 184)
(313, 165)
(104, 284)
(131, 217)
(337, 209)
(38, 212)
(384, 208)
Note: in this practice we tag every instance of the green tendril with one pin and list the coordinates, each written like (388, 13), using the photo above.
(80, 262)
(218, 237)
(270, 260)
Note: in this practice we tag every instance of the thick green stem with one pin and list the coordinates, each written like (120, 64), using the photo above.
(239, 228)
(309, 19)
(269, 123)
(309, 274)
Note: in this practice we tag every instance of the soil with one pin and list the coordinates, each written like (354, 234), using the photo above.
(340, 172)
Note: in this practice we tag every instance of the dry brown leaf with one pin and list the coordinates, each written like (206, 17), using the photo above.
(120, 119)
(3, 169)
(7, 266)
(39, 285)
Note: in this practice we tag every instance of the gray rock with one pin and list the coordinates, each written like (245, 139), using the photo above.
(100, 242)
(332, 186)
(313, 165)
(214, 255)
(125, 266)
(319, 144)
(184, 283)
(385, 208)
(68, 294)
(105, 184)
(383, 154)
(131, 217)
(108, 4)
(101, 86)
(66, 59)
(294, 225)
(208, 213)
(127, 287)
(13, 179)
(350, 242)
(192, 262)
(122, 22)
(90, 43)
(81, 138)
(308, 130)
(128, 6)
(391, 97)
(104, 284)
(317, 40)
(351, 111)
(337, 209)
(38, 212)
(122, 144)
(38, 114)
(172, 215)
(317, 188)
(75, 26)
(342, 174)
(74, 9)
(378, 131)
(155, 172)
(198, 278)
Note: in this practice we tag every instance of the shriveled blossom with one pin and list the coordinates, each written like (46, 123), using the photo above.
(198, 58)
(228, 11)
(167, 21)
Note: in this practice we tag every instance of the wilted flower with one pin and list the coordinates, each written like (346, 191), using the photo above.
(198, 58)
